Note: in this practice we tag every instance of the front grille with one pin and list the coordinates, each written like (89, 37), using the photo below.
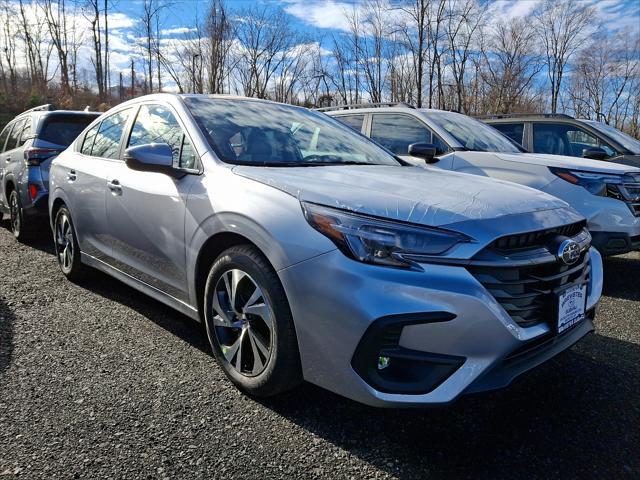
(629, 193)
(536, 239)
(527, 293)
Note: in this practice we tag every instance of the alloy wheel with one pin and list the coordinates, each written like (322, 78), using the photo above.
(64, 242)
(243, 322)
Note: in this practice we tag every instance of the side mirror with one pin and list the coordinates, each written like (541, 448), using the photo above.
(426, 151)
(151, 157)
(594, 153)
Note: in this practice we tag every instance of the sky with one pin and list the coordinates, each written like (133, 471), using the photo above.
(321, 17)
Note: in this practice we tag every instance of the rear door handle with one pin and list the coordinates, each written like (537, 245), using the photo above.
(71, 176)
(115, 187)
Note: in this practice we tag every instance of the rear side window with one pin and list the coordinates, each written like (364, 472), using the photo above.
(14, 137)
(4, 135)
(26, 132)
(63, 129)
(107, 141)
(397, 132)
(89, 138)
(515, 131)
(353, 121)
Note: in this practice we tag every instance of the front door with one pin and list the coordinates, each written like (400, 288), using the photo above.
(146, 211)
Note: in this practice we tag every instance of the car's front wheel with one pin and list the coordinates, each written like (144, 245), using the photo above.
(66, 245)
(249, 323)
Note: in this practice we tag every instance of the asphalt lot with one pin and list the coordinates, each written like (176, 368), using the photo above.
(99, 381)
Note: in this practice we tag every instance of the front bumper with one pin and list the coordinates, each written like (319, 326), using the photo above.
(615, 243)
(335, 301)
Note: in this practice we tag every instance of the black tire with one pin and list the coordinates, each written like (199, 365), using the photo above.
(281, 371)
(66, 246)
(20, 229)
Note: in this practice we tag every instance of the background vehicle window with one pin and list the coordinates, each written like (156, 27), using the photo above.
(63, 129)
(514, 131)
(107, 139)
(560, 139)
(26, 132)
(14, 137)
(157, 124)
(353, 121)
(4, 135)
(397, 132)
(89, 138)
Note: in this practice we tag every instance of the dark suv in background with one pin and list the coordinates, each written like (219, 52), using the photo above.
(559, 134)
(28, 144)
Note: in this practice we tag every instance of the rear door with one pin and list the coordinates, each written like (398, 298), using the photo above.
(146, 210)
(87, 174)
(12, 156)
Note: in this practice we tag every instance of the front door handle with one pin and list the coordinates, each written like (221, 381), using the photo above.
(8, 160)
(71, 176)
(115, 187)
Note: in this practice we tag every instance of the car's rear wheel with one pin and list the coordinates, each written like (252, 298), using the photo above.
(66, 245)
(249, 323)
(17, 223)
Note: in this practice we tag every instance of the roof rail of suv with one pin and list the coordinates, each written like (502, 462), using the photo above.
(514, 115)
(49, 107)
(364, 105)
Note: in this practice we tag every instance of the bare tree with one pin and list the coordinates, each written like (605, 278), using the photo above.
(56, 17)
(509, 66)
(562, 27)
(219, 33)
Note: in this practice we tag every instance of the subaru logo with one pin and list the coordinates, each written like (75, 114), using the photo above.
(569, 252)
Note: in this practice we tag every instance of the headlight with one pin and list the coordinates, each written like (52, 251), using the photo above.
(603, 184)
(373, 240)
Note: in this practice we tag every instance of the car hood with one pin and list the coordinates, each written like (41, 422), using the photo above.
(562, 161)
(412, 194)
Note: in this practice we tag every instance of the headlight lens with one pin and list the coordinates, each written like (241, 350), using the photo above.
(602, 184)
(381, 242)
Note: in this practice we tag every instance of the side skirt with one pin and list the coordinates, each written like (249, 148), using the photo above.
(147, 289)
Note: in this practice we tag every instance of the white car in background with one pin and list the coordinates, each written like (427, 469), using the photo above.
(607, 194)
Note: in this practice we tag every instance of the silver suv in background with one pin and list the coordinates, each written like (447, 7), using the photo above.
(28, 144)
(311, 253)
(560, 134)
(607, 194)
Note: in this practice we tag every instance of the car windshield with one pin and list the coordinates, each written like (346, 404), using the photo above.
(248, 132)
(623, 139)
(472, 134)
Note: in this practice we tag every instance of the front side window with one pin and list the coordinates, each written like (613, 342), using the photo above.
(397, 132)
(251, 132)
(562, 139)
(14, 137)
(353, 121)
(472, 134)
(107, 139)
(157, 124)
(4, 135)
(515, 131)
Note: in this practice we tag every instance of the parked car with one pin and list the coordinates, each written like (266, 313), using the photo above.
(28, 144)
(607, 194)
(310, 252)
(559, 134)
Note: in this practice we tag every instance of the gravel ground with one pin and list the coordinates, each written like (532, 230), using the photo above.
(98, 381)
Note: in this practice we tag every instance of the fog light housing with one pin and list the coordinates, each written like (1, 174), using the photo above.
(387, 367)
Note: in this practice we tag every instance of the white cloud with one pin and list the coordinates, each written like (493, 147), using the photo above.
(177, 30)
(325, 14)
